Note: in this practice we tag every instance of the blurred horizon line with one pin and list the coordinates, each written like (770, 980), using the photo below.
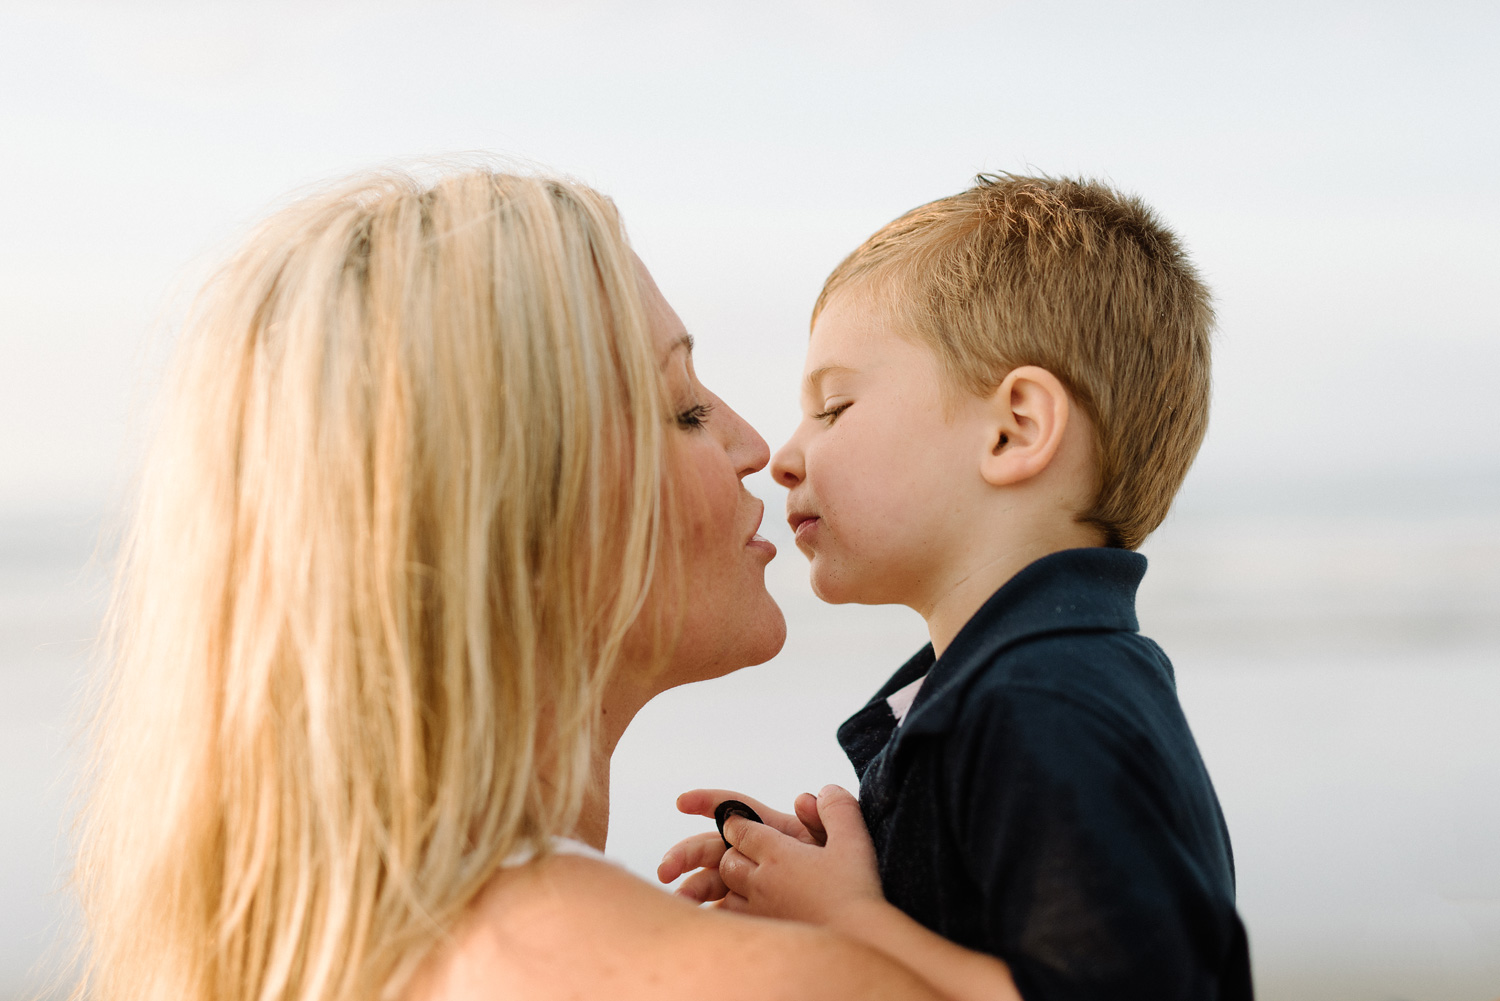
(1440, 490)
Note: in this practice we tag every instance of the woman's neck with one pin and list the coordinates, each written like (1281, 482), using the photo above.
(620, 707)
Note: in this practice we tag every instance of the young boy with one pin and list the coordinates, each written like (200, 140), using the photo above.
(1004, 390)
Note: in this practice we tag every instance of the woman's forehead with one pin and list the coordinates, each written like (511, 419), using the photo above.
(668, 333)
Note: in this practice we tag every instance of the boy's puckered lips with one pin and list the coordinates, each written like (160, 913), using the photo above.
(802, 523)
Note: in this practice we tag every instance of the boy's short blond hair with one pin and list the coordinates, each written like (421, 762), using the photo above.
(1074, 277)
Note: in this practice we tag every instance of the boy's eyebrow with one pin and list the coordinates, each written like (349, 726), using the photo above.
(816, 375)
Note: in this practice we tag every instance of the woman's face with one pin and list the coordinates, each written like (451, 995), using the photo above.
(729, 620)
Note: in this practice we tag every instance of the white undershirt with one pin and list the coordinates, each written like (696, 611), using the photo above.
(900, 701)
(560, 846)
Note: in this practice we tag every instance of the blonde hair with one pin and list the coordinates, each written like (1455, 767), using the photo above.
(400, 515)
(1081, 280)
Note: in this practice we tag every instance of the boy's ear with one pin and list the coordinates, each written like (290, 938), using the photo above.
(1028, 416)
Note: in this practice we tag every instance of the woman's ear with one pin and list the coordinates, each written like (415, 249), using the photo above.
(1028, 418)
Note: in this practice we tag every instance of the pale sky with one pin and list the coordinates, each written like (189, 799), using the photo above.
(1332, 169)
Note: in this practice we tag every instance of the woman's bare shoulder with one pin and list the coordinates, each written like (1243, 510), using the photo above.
(571, 927)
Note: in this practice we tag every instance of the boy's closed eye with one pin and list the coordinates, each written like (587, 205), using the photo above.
(831, 413)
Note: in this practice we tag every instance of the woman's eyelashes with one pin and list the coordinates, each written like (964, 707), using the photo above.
(695, 416)
(831, 414)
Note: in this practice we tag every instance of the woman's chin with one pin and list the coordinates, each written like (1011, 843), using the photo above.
(773, 636)
(760, 639)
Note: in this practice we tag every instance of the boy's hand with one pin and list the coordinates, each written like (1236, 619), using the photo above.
(703, 851)
(774, 875)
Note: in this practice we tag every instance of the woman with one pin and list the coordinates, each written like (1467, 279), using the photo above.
(435, 506)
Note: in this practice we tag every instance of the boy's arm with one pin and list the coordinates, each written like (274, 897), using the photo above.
(1081, 850)
(837, 885)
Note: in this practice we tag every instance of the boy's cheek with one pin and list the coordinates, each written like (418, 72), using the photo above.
(832, 582)
(877, 513)
(844, 572)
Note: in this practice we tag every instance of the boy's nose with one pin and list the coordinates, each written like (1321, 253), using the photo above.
(786, 464)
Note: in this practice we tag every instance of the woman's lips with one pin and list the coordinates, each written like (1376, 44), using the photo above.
(760, 542)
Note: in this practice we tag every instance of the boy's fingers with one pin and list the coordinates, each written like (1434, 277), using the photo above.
(701, 802)
(700, 851)
(702, 886)
(735, 871)
(748, 838)
(839, 812)
(697, 803)
(735, 902)
(806, 808)
(673, 862)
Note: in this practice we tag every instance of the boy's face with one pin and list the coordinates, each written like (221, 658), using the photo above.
(882, 481)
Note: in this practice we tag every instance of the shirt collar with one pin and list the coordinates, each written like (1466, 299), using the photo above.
(863, 735)
(1076, 590)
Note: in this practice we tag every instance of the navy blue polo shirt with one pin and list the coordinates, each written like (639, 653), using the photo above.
(1043, 799)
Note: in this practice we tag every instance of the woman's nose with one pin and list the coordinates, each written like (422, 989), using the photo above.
(747, 449)
(786, 464)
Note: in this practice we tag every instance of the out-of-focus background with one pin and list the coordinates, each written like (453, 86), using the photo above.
(1329, 584)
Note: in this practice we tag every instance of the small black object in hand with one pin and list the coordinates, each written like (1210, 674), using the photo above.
(733, 808)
